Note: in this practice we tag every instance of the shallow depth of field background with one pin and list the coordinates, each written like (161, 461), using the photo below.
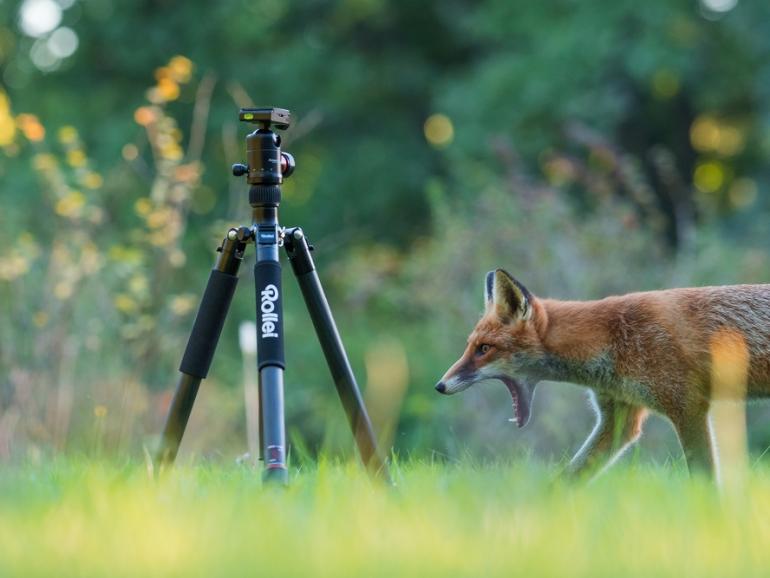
(590, 148)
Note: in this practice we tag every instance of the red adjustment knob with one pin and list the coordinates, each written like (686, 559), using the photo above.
(287, 164)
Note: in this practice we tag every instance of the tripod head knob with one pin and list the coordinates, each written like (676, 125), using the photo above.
(239, 169)
(288, 164)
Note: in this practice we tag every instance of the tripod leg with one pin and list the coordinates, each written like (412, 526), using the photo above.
(202, 343)
(336, 358)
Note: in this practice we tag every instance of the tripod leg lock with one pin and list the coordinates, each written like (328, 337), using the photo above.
(298, 249)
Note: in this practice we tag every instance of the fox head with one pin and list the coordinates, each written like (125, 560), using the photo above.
(500, 346)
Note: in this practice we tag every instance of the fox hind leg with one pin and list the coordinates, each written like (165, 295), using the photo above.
(694, 431)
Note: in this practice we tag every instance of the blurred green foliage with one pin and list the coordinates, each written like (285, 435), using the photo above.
(590, 148)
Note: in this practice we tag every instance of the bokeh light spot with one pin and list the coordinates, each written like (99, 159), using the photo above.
(76, 158)
(742, 193)
(93, 180)
(67, 134)
(180, 68)
(168, 89)
(704, 134)
(42, 57)
(709, 176)
(719, 5)
(31, 127)
(439, 130)
(130, 152)
(144, 115)
(38, 17)
(63, 42)
(731, 141)
(125, 303)
(71, 205)
(665, 84)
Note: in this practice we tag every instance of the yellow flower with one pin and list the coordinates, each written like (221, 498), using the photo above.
(143, 206)
(162, 72)
(172, 152)
(7, 129)
(93, 180)
(68, 134)
(158, 218)
(145, 115)
(44, 162)
(12, 267)
(168, 89)
(123, 254)
(138, 284)
(31, 127)
(76, 158)
(182, 304)
(125, 303)
(180, 68)
(71, 205)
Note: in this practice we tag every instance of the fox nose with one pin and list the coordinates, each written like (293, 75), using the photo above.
(441, 387)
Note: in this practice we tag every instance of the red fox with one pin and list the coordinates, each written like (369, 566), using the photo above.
(667, 351)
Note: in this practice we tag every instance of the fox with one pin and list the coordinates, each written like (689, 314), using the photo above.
(670, 351)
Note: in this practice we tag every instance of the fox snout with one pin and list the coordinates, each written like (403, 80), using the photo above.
(457, 378)
(448, 388)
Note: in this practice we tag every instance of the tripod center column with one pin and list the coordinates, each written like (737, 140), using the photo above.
(270, 353)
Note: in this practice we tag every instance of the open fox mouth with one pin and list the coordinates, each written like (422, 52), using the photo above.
(521, 397)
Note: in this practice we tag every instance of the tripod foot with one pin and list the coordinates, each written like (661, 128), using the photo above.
(275, 476)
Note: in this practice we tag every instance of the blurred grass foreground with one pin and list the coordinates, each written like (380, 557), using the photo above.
(74, 519)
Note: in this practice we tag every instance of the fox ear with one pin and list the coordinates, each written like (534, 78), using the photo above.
(510, 298)
(489, 289)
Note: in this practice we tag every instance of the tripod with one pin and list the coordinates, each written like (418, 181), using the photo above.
(266, 168)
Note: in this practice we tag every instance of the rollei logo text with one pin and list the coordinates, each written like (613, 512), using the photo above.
(269, 315)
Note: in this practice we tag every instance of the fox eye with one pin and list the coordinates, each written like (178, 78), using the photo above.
(483, 348)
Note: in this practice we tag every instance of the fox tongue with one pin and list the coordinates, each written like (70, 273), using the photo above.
(521, 407)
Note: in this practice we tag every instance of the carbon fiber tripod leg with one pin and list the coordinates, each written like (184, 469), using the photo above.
(203, 342)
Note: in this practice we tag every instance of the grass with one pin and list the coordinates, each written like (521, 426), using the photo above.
(96, 519)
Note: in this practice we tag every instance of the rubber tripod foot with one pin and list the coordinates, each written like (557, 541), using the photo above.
(275, 476)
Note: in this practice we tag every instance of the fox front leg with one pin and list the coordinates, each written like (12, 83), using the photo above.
(619, 424)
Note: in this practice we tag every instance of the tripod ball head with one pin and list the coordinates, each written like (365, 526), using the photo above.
(266, 166)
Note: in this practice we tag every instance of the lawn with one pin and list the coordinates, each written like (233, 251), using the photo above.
(75, 518)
